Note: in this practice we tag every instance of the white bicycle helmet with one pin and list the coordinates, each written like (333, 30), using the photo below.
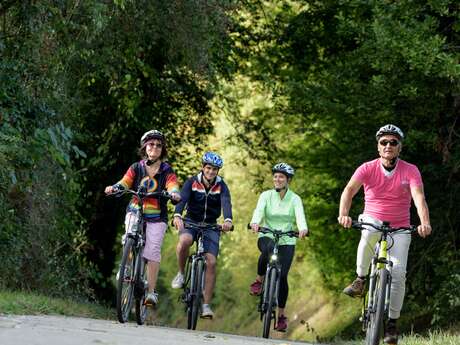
(152, 134)
(390, 129)
(283, 168)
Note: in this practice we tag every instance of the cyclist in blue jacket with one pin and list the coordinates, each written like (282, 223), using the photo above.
(205, 196)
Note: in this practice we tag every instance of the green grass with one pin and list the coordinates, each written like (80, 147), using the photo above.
(21, 303)
(433, 338)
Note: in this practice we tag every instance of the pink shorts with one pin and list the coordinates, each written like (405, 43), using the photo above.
(155, 233)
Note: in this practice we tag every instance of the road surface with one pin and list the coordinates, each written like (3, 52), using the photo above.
(62, 330)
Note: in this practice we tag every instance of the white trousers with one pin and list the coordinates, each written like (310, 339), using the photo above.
(398, 253)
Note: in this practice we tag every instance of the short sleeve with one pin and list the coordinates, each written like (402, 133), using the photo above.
(361, 173)
(415, 178)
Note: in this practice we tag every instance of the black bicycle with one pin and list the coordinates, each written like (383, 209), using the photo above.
(269, 295)
(131, 281)
(195, 271)
(376, 302)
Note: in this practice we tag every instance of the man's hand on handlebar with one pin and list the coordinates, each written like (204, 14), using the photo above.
(178, 223)
(424, 230)
(345, 221)
(255, 227)
(227, 226)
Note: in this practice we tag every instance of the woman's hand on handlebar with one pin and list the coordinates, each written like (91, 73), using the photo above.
(255, 227)
(175, 197)
(178, 223)
(108, 190)
(304, 233)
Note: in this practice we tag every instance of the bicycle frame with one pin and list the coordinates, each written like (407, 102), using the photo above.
(195, 273)
(374, 312)
(133, 246)
(268, 298)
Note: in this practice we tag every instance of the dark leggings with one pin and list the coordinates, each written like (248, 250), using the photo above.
(285, 254)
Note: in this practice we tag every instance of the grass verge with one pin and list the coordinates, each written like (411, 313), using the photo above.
(22, 303)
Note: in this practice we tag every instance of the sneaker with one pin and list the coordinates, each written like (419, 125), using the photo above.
(391, 333)
(152, 298)
(178, 281)
(355, 289)
(206, 312)
(256, 288)
(281, 325)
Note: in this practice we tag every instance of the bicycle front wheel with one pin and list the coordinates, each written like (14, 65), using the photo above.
(375, 323)
(141, 288)
(198, 292)
(269, 302)
(125, 283)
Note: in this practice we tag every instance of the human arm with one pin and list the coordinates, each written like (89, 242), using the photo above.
(259, 212)
(418, 195)
(185, 196)
(125, 183)
(226, 202)
(301, 221)
(348, 193)
(172, 186)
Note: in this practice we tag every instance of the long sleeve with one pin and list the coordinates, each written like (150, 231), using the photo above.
(128, 179)
(259, 212)
(185, 196)
(300, 214)
(226, 201)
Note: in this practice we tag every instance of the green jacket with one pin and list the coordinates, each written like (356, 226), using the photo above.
(280, 214)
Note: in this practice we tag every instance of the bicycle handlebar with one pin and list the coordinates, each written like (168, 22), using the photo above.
(205, 226)
(275, 232)
(358, 225)
(141, 194)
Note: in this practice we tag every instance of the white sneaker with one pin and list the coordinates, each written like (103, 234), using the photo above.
(152, 298)
(206, 312)
(178, 281)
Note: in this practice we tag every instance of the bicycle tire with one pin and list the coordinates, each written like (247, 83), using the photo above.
(375, 323)
(268, 313)
(125, 283)
(197, 293)
(142, 288)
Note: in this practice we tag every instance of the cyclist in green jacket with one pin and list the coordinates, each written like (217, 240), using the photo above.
(279, 209)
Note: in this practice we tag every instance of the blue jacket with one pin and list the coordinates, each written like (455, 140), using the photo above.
(205, 205)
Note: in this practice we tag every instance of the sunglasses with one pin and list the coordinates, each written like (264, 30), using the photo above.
(391, 142)
(159, 146)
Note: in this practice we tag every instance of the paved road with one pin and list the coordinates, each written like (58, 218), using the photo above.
(61, 330)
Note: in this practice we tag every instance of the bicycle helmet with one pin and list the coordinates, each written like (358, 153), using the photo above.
(213, 159)
(152, 134)
(283, 168)
(389, 129)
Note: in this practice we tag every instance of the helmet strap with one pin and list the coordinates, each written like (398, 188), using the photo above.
(150, 162)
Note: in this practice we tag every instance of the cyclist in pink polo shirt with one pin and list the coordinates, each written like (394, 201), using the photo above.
(389, 186)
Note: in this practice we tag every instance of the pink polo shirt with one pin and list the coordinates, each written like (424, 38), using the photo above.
(388, 197)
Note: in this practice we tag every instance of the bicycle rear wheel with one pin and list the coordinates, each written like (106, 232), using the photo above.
(197, 293)
(270, 302)
(125, 283)
(375, 322)
(141, 290)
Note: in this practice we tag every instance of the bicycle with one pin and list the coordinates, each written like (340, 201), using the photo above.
(195, 271)
(131, 280)
(377, 299)
(269, 295)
